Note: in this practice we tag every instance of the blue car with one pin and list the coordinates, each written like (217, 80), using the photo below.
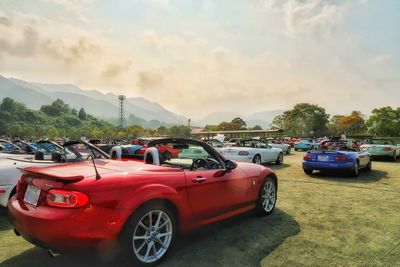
(305, 145)
(344, 155)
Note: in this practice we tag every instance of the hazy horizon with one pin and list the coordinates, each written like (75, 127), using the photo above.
(195, 58)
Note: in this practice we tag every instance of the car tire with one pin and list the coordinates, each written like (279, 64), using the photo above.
(267, 197)
(295, 149)
(356, 170)
(257, 159)
(143, 244)
(369, 166)
(308, 171)
(279, 160)
(288, 150)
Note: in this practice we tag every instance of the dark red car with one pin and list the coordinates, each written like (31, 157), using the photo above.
(139, 205)
(166, 151)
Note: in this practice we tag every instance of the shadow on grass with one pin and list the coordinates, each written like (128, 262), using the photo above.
(4, 223)
(364, 177)
(240, 241)
(276, 167)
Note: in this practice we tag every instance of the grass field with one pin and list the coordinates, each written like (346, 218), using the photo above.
(322, 220)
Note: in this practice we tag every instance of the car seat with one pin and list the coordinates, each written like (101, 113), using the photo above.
(152, 156)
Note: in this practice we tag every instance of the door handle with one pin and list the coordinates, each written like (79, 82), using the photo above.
(199, 179)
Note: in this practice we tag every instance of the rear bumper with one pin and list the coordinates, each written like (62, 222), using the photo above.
(318, 165)
(64, 229)
(239, 158)
(382, 154)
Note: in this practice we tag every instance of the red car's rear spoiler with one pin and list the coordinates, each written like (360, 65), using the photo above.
(43, 174)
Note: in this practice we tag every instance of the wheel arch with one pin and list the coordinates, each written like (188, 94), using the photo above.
(160, 200)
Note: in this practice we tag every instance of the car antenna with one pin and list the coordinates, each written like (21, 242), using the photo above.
(94, 164)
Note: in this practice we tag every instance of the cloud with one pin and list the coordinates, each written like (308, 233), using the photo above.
(116, 69)
(72, 52)
(305, 17)
(382, 58)
(150, 79)
(25, 47)
(5, 21)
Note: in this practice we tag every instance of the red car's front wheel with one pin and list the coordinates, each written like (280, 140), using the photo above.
(149, 234)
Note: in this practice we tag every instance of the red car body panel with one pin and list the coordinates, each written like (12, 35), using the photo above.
(123, 187)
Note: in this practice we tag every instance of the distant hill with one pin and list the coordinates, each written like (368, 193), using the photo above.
(34, 95)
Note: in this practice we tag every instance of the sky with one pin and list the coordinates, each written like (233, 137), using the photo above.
(197, 57)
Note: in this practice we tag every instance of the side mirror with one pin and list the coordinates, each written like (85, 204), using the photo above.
(230, 165)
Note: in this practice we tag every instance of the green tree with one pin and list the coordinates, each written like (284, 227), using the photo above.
(56, 108)
(257, 127)
(305, 120)
(180, 131)
(82, 114)
(384, 121)
(74, 112)
(238, 124)
(162, 130)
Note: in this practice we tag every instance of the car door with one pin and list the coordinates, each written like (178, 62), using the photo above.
(265, 151)
(215, 192)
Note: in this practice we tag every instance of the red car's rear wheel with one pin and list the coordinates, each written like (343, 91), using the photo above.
(149, 234)
(267, 197)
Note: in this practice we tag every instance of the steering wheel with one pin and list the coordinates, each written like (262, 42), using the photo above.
(198, 163)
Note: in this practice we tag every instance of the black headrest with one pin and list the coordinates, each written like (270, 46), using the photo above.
(56, 156)
(39, 155)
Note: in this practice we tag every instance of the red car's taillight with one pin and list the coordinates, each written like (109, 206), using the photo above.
(341, 158)
(307, 157)
(66, 199)
(387, 148)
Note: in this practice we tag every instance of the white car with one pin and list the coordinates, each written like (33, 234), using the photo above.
(9, 166)
(285, 147)
(256, 152)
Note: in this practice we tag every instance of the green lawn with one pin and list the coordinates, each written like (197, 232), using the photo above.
(323, 220)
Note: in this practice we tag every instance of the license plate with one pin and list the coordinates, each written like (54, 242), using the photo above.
(32, 195)
(323, 158)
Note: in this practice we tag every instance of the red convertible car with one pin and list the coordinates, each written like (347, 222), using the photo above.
(137, 206)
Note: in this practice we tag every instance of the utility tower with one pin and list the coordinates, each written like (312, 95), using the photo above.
(121, 99)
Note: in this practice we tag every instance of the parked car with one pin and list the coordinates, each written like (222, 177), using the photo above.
(139, 206)
(286, 148)
(305, 145)
(256, 152)
(233, 141)
(8, 147)
(48, 153)
(27, 147)
(337, 155)
(193, 152)
(382, 148)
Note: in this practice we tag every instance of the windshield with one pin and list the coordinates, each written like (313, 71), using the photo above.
(337, 145)
(80, 152)
(6, 147)
(47, 148)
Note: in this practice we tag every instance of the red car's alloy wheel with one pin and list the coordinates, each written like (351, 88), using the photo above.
(152, 236)
(267, 197)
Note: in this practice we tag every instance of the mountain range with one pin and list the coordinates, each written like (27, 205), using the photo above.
(138, 109)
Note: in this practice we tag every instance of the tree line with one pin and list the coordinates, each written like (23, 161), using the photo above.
(306, 119)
